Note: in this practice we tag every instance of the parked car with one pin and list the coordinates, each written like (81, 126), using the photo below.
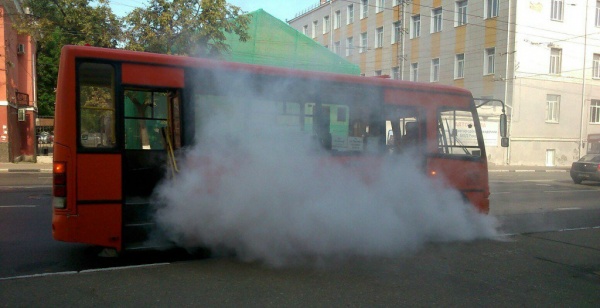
(587, 168)
(45, 137)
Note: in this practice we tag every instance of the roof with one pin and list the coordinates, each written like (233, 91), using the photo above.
(275, 43)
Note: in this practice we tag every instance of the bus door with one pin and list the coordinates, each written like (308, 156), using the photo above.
(460, 156)
(97, 162)
(151, 135)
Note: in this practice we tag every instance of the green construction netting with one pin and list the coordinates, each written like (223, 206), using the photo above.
(275, 43)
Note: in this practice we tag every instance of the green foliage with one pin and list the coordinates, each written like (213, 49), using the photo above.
(186, 27)
(54, 23)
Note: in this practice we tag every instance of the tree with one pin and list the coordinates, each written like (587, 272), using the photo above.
(186, 27)
(54, 23)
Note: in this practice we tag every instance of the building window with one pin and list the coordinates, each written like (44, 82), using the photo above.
(379, 37)
(461, 13)
(489, 61)
(349, 46)
(326, 25)
(435, 70)
(552, 108)
(337, 20)
(436, 20)
(597, 13)
(350, 14)
(459, 66)
(379, 4)
(314, 29)
(377, 73)
(596, 66)
(396, 33)
(336, 47)
(555, 61)
(556, 10)
(396, 73)
(414, 71)
(595, 112)
(395, 2)
(364, 8)
(415, 26)
(364, 42)
(491, 8)
(305, 30)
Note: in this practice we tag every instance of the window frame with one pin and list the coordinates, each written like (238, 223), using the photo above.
(435, 70)
(557, 8)
(350, 14)
(337, 19)
(364, 42)
(596, 66)
(461, 15)
(552, 108)
(555, 61)
(349, 46)
(436, 20)
(379, 6)
(594, 111)
(414, 71)
(379, 37)
(396, 28)
(364, 9)
(492, 8)
(415, 26)
(326, 24)
(597, 19)
(459, 66)
(489, 61)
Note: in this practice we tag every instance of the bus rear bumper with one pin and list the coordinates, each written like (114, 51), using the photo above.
(97, 224)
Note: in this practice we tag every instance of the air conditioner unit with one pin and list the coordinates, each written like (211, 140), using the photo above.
(21, 115)
(20, 49)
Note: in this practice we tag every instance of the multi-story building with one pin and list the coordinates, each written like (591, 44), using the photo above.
(18, 110)
(542, 58)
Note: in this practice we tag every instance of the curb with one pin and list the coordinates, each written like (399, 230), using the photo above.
(26, 170)
(527, 170)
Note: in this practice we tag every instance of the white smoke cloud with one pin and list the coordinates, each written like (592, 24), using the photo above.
(271, 196)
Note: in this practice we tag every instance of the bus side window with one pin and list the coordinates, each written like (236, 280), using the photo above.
(146, 113)
(96, 105)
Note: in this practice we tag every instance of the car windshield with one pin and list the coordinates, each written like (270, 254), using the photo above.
(591, 158)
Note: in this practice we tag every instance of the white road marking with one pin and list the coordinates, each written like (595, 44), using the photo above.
(85, 271)
(567, 208)
(570, 191)
(16, 206)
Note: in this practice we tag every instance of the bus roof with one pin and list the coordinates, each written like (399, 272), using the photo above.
(71, 51)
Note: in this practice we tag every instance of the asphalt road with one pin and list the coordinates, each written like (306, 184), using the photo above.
(532, 269)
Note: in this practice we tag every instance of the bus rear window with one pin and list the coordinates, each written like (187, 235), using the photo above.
(96, 105)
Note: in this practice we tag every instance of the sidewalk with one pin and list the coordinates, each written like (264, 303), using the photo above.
(44, 164)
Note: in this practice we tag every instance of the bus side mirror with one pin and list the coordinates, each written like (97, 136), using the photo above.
(503, 130)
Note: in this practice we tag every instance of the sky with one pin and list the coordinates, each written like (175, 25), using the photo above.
(284, 10)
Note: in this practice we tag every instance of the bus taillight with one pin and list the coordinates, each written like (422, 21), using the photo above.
(59, 171)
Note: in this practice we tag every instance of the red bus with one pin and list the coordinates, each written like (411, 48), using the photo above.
(122, 116)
